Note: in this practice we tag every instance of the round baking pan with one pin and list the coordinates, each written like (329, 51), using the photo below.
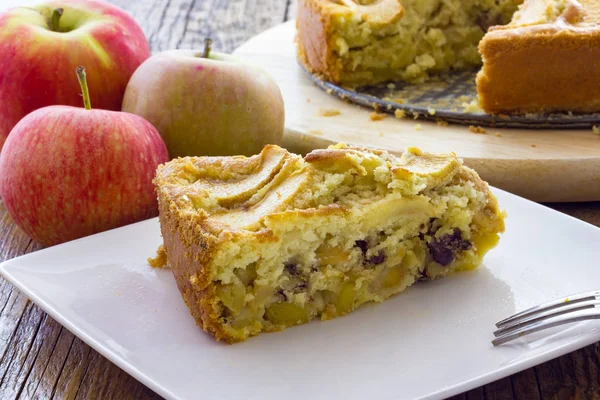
(449, 97)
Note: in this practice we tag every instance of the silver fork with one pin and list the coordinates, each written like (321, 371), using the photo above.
(574, 308)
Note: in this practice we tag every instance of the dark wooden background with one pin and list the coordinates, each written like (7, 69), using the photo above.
(40, 359)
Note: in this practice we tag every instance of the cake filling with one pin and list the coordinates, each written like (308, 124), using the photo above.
(426, 37)
(335, 279)
(277, 239)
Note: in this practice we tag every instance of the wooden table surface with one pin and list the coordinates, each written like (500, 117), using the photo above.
(40, 359)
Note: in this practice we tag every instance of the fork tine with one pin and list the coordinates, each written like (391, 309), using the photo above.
(551, 305)
(517, 324)
(545, 324)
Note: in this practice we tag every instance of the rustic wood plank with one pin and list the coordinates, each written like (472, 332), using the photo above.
(525, 385)
(499, 390)
(22, 378)
(73, 370)
(549, 378)
(476, 394)
(18, 350)
(176, 24)
(42, 383)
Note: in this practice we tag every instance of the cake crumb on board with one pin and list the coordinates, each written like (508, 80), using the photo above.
(329, 112)
(441, 122)
(418, 127)
(596, 130)
(400, 114)
(477, 129)
(375, 116)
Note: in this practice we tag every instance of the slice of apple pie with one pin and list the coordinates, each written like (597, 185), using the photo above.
(263, 243)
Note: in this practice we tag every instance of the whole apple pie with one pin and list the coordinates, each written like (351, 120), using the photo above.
(263, 243)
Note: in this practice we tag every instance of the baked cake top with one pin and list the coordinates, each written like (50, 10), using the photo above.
(239, 193)
(542, 16)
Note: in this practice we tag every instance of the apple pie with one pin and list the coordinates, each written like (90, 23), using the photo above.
(263, 243)
(538, 55)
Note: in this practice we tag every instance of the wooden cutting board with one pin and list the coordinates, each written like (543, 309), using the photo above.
(542, 165)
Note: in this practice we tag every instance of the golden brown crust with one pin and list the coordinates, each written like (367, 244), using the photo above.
(313, 24)
(526, 70)
(190, 247)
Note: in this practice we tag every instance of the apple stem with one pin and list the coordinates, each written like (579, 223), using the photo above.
(207, 45)
(55, 18)
(84, 88)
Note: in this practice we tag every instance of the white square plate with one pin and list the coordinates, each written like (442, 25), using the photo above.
(430, 342)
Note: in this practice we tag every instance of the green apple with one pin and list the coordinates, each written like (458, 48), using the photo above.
(207, 103)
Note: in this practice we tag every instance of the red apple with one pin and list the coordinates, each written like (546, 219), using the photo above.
(40, 49)
(68, 172)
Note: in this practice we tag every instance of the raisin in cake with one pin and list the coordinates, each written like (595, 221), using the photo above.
(544, 59)
(262, 243)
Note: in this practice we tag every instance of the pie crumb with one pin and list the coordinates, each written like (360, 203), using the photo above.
(596, 130)
(498, 134)
(477, 129)
(400, 114)
(380, 134)
(329, 112)
(375, 116)
(160, 260)
(533, 145)
(440, 122)
(316, 132)
(418, 127)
